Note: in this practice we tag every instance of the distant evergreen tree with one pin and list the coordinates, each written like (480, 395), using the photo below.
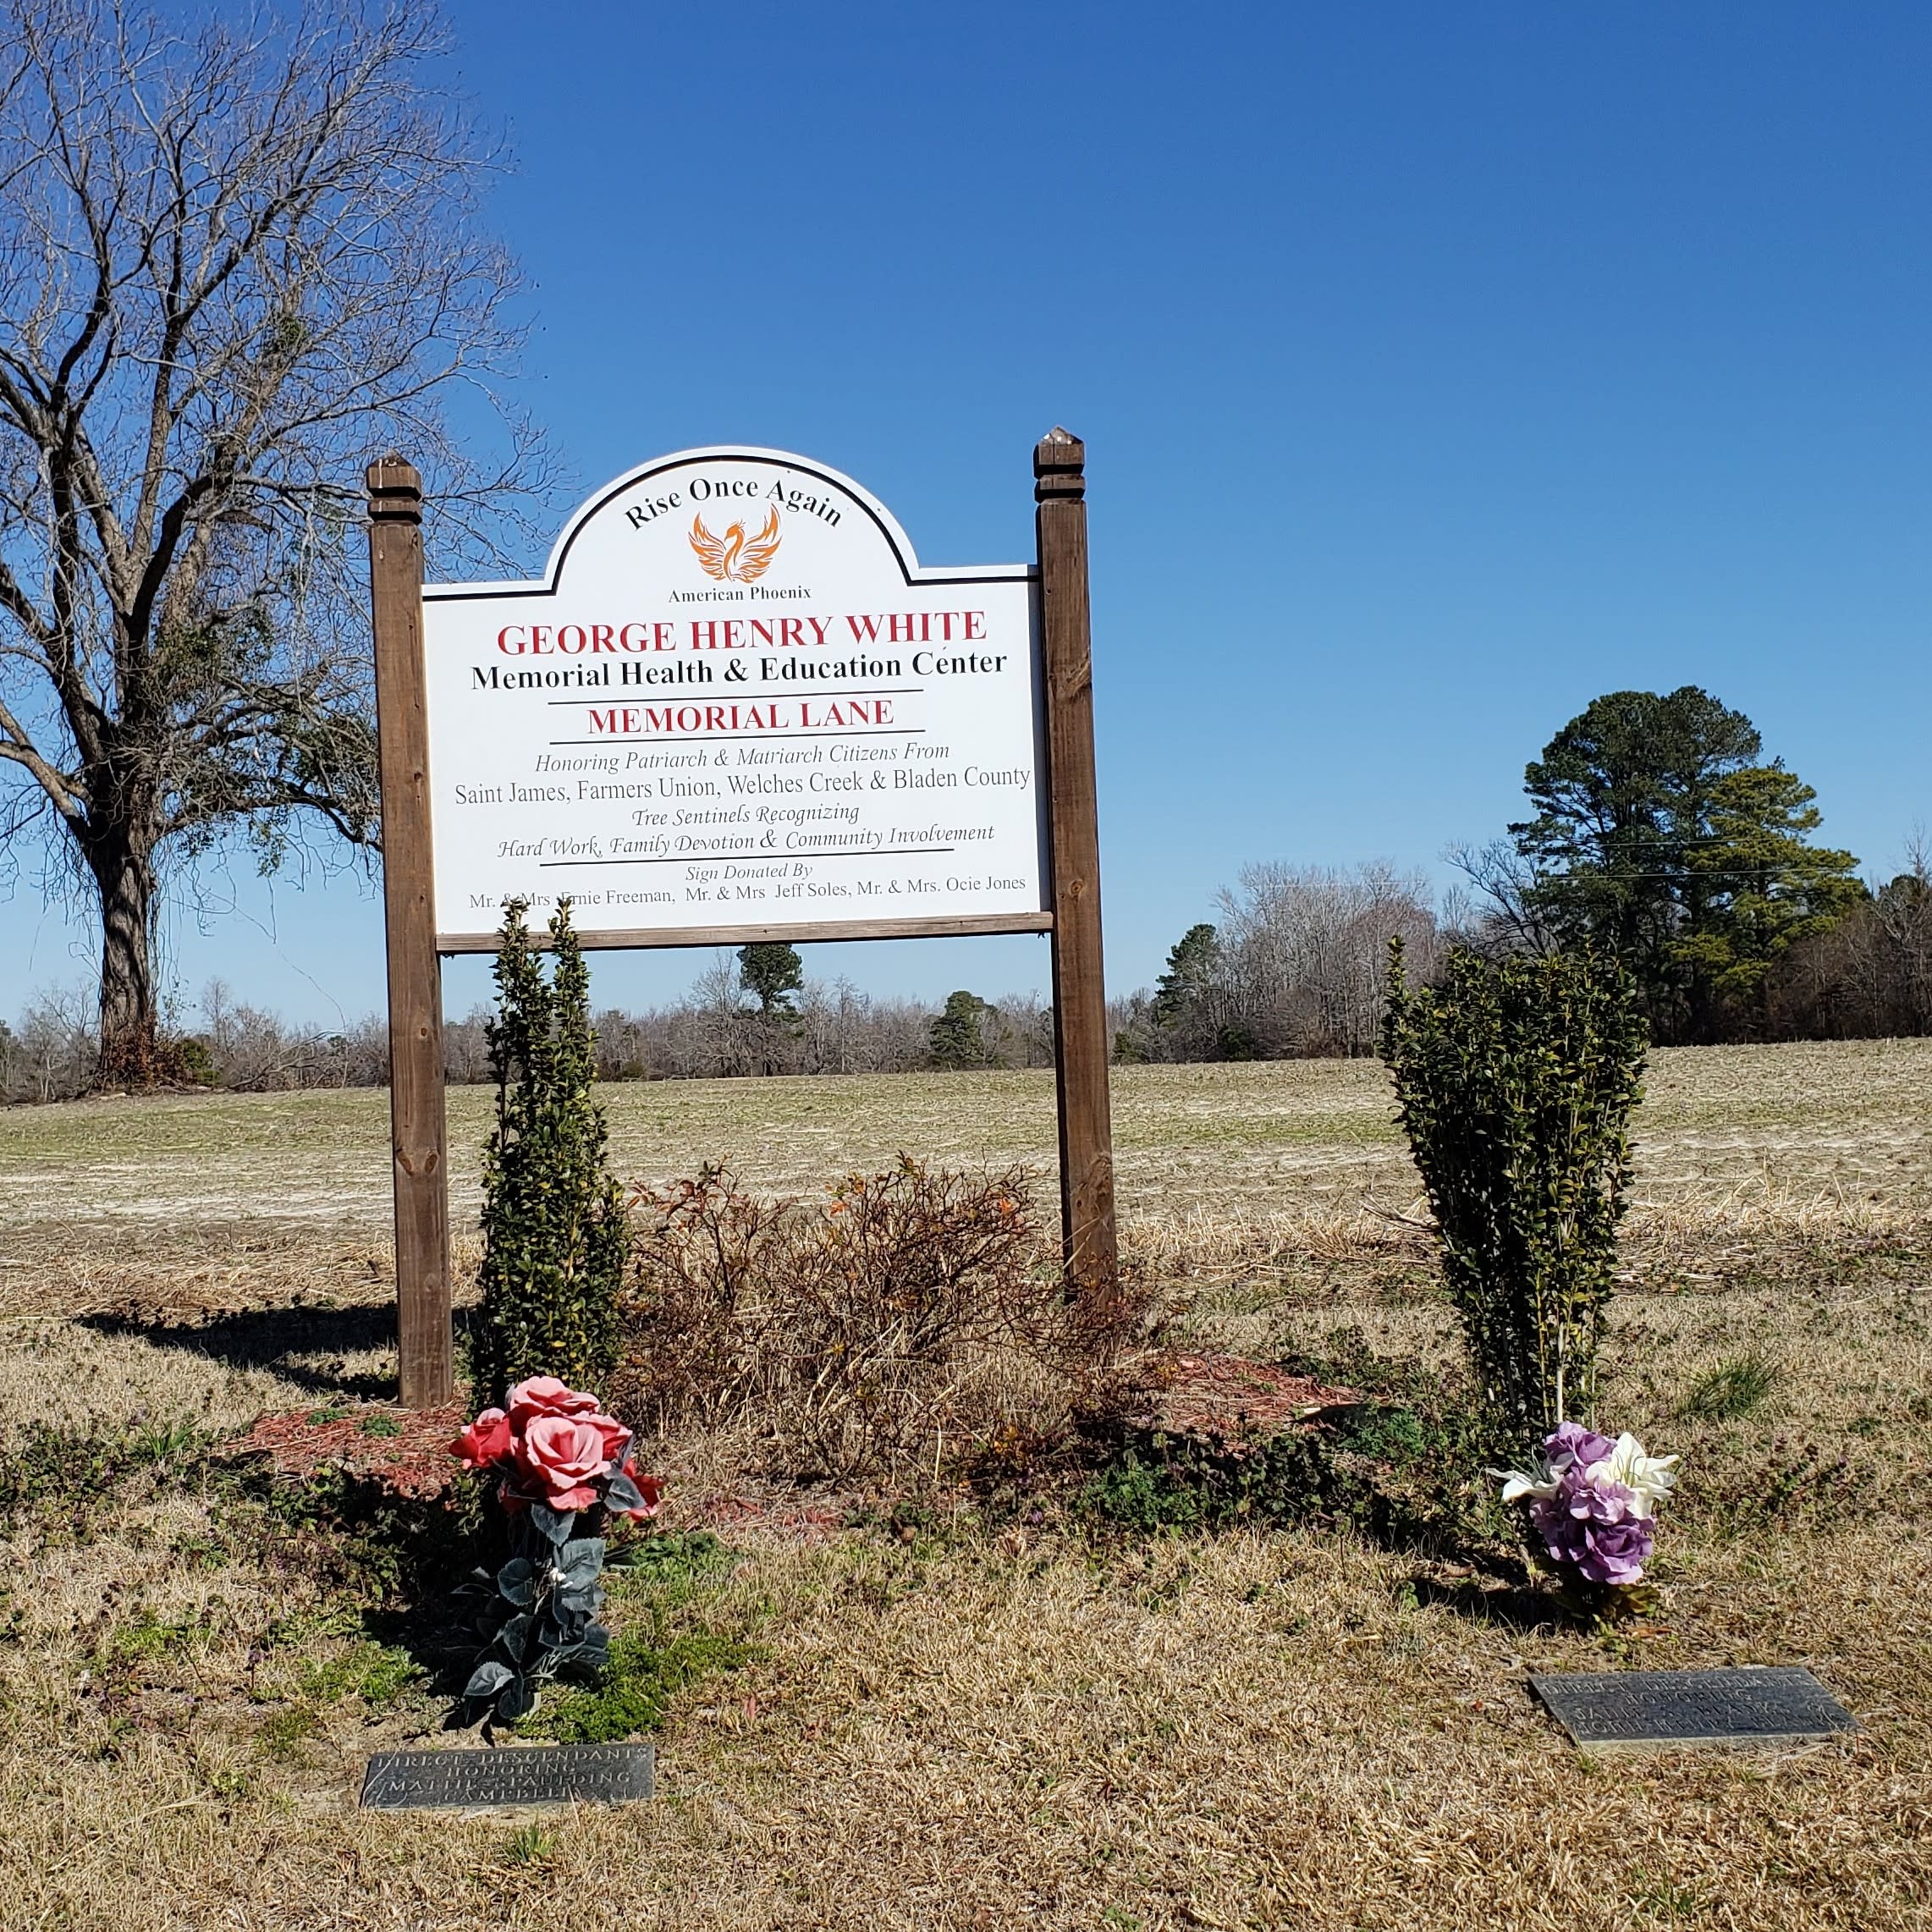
(957, 1036)
(1659, 836)
(771, 971)
(554, 1235)
(1191, 966)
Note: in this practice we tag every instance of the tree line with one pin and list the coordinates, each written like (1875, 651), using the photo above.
(733, 1022)
(1659, 834)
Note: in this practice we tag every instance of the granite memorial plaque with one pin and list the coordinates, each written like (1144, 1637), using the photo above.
(1639, 1710)
(477, 1780)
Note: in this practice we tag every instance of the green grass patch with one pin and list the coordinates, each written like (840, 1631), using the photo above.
(377, 1673)
(641, 1679)
(663, 1588)
(1404, 1469)
(1733, 1389)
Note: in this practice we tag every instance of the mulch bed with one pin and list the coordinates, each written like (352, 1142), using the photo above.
(1231, 1397)
(405, 1450)
(1227, 1397)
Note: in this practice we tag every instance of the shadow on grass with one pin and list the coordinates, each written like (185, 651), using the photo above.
(1501, 1593)
(296, 1343)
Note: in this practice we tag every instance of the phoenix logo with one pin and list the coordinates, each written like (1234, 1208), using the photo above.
(735, 558)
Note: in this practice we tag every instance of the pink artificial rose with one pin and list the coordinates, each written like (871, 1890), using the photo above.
(649, 1487)
(485, 1440)
(545, 1395)
(616, 1437)
(561, 1456)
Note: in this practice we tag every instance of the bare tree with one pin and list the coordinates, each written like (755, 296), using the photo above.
(1501, 917)
(1306, 952)
(236, 262)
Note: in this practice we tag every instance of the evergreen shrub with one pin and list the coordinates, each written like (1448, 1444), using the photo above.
(555, 1237)
(1515, 1078)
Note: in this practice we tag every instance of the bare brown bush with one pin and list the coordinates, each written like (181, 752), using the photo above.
(913, 1318)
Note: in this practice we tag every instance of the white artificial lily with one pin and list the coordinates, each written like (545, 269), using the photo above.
(1648, 1477)
(1539, 1480)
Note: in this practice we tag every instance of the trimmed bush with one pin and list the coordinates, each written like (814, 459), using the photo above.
(1515, 1078)
(555, 1233)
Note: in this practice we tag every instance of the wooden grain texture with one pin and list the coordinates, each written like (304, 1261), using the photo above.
(1080, 990)
(418, 1134)
(936, 928)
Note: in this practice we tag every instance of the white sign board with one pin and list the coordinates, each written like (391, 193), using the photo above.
(736, 707)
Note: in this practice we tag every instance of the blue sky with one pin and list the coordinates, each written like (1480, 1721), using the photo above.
(1439, 369)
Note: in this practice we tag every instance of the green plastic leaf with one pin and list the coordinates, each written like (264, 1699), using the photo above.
(621, 1492)
(487, 1678)
(556, 1524)
(514, 1635)
(582, 1560)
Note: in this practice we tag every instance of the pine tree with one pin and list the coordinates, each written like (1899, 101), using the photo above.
(772, 971)
(1192, 967)
(554, 1235)
(1660, 836)
(957, 1036)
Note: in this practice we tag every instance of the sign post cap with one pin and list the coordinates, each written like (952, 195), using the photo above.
(1060, 464)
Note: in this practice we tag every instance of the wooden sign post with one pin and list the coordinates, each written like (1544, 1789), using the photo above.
(418, 1134)
(736, 709)
(1079, 988)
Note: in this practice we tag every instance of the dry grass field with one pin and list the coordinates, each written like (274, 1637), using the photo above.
(990, 1721)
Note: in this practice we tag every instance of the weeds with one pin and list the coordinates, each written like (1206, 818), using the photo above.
(1404, 1469)
(529, 1844)
(378, 1674)
(353, 1536)
(58, 1478)
(1793, 1487)
(651, 1662)
(1732, 1390)
(284, 1732)
(639, 1683)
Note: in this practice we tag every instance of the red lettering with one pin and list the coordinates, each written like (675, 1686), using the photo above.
(505, 635)
(975, 623)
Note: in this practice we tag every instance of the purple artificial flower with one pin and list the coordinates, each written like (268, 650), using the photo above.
(1572, 1442)
(1610, 1549)
(1591, 1501)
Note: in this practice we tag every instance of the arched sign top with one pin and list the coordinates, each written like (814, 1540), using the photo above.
(763, 516)
(736, 703)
